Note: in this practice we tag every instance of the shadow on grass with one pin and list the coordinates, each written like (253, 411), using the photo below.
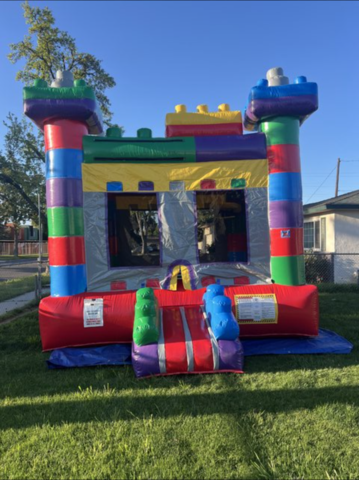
(26, 374)
(109, 409)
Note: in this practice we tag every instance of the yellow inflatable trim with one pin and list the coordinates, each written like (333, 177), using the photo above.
(186, 278)
(96, 176)
(203, 118)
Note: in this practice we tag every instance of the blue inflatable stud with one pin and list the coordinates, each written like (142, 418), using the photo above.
(212, 291)
(223, 322)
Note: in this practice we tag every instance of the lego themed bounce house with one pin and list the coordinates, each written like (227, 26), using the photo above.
(176, 244)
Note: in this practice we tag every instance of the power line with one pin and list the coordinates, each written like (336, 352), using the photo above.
(326, 178)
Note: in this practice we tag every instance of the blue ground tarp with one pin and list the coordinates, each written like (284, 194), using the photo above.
(325, 342)
(120, 354)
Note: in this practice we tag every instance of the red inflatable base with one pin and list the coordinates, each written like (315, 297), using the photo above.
(62, 320)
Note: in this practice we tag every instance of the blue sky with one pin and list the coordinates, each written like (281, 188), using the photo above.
(165, 53)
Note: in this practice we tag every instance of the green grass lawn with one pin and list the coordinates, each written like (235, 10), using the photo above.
(287, 417)
(18, 286)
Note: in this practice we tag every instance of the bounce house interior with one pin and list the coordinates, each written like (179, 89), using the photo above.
(181, 245)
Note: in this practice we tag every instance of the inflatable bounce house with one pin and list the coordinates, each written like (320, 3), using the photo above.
(175, 243)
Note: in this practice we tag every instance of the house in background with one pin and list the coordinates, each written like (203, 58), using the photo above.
(27, 240)
(332, 226)
(27, 233)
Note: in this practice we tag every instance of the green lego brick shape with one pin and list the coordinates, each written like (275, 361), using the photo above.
(281, 131)
(146, 329)
(65, 221)
(145, 293)
(238, 182)
(288, 270)
(141, 149)
(42, 91)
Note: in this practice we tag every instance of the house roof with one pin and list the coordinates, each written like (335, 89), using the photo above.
(348, 201)
(11, 225)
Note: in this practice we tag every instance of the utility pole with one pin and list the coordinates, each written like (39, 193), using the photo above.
(337, 180)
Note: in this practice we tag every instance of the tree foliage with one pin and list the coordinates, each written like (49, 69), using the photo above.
(46, 49)
(145, 223)
(12, 210)
(21, 172)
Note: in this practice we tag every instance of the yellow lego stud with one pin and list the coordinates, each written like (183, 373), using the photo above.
(181, 109)
(202, 108)
(224, 107)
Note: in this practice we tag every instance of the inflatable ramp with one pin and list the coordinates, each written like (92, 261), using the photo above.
(190, 339)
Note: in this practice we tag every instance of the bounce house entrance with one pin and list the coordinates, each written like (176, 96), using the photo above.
(212, 230)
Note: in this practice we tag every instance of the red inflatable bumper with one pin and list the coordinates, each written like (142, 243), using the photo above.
(62, 318)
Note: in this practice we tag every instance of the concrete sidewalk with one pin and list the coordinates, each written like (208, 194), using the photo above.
(18, 302)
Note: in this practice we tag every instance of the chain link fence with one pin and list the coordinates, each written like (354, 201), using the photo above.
(23, 275)
(339, 268)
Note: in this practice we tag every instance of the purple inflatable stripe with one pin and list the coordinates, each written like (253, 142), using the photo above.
(300, 105)
(64, 192)
(145, 360)
(285, 214)
(230, 355)
(145, 186)
(231, 147)
(82, 109)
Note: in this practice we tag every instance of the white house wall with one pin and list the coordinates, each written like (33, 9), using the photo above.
(346, 242)
(330, 229)
(330, 233)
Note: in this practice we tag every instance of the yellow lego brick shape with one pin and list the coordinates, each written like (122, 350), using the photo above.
(203, 116)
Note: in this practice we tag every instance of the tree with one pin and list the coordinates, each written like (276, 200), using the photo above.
(5, 233)
(47, 49)
(22, 171)
(13, 209)
(44, 50)
(146, 225)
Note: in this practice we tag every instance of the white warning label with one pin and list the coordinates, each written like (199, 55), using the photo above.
(93, 312)
(256, 309)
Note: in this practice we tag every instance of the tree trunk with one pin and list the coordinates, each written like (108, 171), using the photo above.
(145, 232)
(140, 231)
(16, 241)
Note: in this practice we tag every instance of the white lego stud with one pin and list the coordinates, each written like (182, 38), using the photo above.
(63, 79)
(275, 77)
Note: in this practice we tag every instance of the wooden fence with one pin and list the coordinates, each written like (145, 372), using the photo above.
(25, 248)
